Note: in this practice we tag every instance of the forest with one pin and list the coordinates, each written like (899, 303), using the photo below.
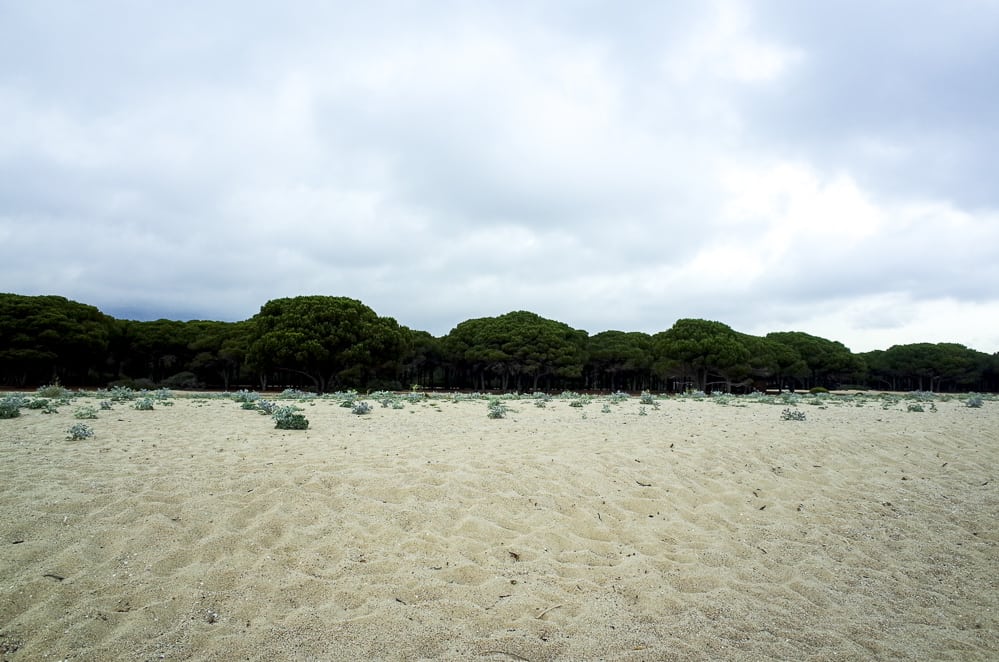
(327, 343)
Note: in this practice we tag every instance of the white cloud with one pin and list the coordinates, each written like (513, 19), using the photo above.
(608, 168)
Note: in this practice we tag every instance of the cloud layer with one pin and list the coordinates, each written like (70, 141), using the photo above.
(828, 169)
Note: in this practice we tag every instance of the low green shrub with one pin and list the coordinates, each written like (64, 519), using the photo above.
(792, 415)
(85, 412)
(54, 390)
(79, 432)
(38, 403)
(360, 408)
(288, 418)
(10, 406)
(144, 404)
(496, 408)
(974, 401)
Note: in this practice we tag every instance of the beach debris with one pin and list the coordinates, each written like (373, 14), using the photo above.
(52, 575)
(643, 484)
(553, 607)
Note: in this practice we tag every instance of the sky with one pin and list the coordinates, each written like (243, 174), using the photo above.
(774, 165)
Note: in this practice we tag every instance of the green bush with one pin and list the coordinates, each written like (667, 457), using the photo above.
(54, 390)
(85, 412)
(10, 406)
(496, 409)
(361, 408)
(79, 431)
(288, 418)
(974, 401)
(144, 404)
(38, 403)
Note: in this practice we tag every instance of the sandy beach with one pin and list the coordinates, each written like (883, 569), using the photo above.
(691, 531)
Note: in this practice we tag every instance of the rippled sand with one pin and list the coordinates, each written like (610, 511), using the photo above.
(696, 532)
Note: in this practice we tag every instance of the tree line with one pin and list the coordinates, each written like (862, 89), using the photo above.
(325, 343)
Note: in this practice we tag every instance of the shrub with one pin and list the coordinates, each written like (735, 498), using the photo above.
(646, 398)
(642, 412)
(79, 431)
(496, 409)
(605, 409)
(265, 407)
(245, 396)
(361, 408)
(144, 404)
(54, 390)
(38, 403)
(915, 406)
(85, 412)
(974, 401)
(248, 405)
(792, 415)
(818, 389)
(121, 394)
(106, 405)
(183, 380)
(288, 418)
(10, 406)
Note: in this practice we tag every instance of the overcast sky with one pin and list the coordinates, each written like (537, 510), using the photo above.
(828, 167)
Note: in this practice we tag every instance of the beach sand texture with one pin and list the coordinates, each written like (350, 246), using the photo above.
(699, 531)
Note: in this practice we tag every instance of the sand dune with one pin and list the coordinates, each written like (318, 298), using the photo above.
(699, 531)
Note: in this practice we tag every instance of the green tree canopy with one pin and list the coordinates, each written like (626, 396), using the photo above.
(701, 350)
(617, 356)
(333, 341)
(43, 338)
(827, 362)
(517, 346)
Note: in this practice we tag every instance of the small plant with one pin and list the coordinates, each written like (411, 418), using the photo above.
(85, 412)
(144, 404)
(288, 418)
(398, 404)
(54, 390)
(792, 415)
(79, 432)
(265, 407)
(248, 405)
(121, 394)
(974, 401)
(914, 407)
(38, 403)
(105, 405)
(605, 409)
(360, 408)
(497, 409)
(10, 406)
(243, 395)
(642, 412)
(646, 398)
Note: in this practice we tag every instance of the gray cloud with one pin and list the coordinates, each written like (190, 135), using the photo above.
(771, 166)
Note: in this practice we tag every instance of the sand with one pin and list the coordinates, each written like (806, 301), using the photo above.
(699, 531)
